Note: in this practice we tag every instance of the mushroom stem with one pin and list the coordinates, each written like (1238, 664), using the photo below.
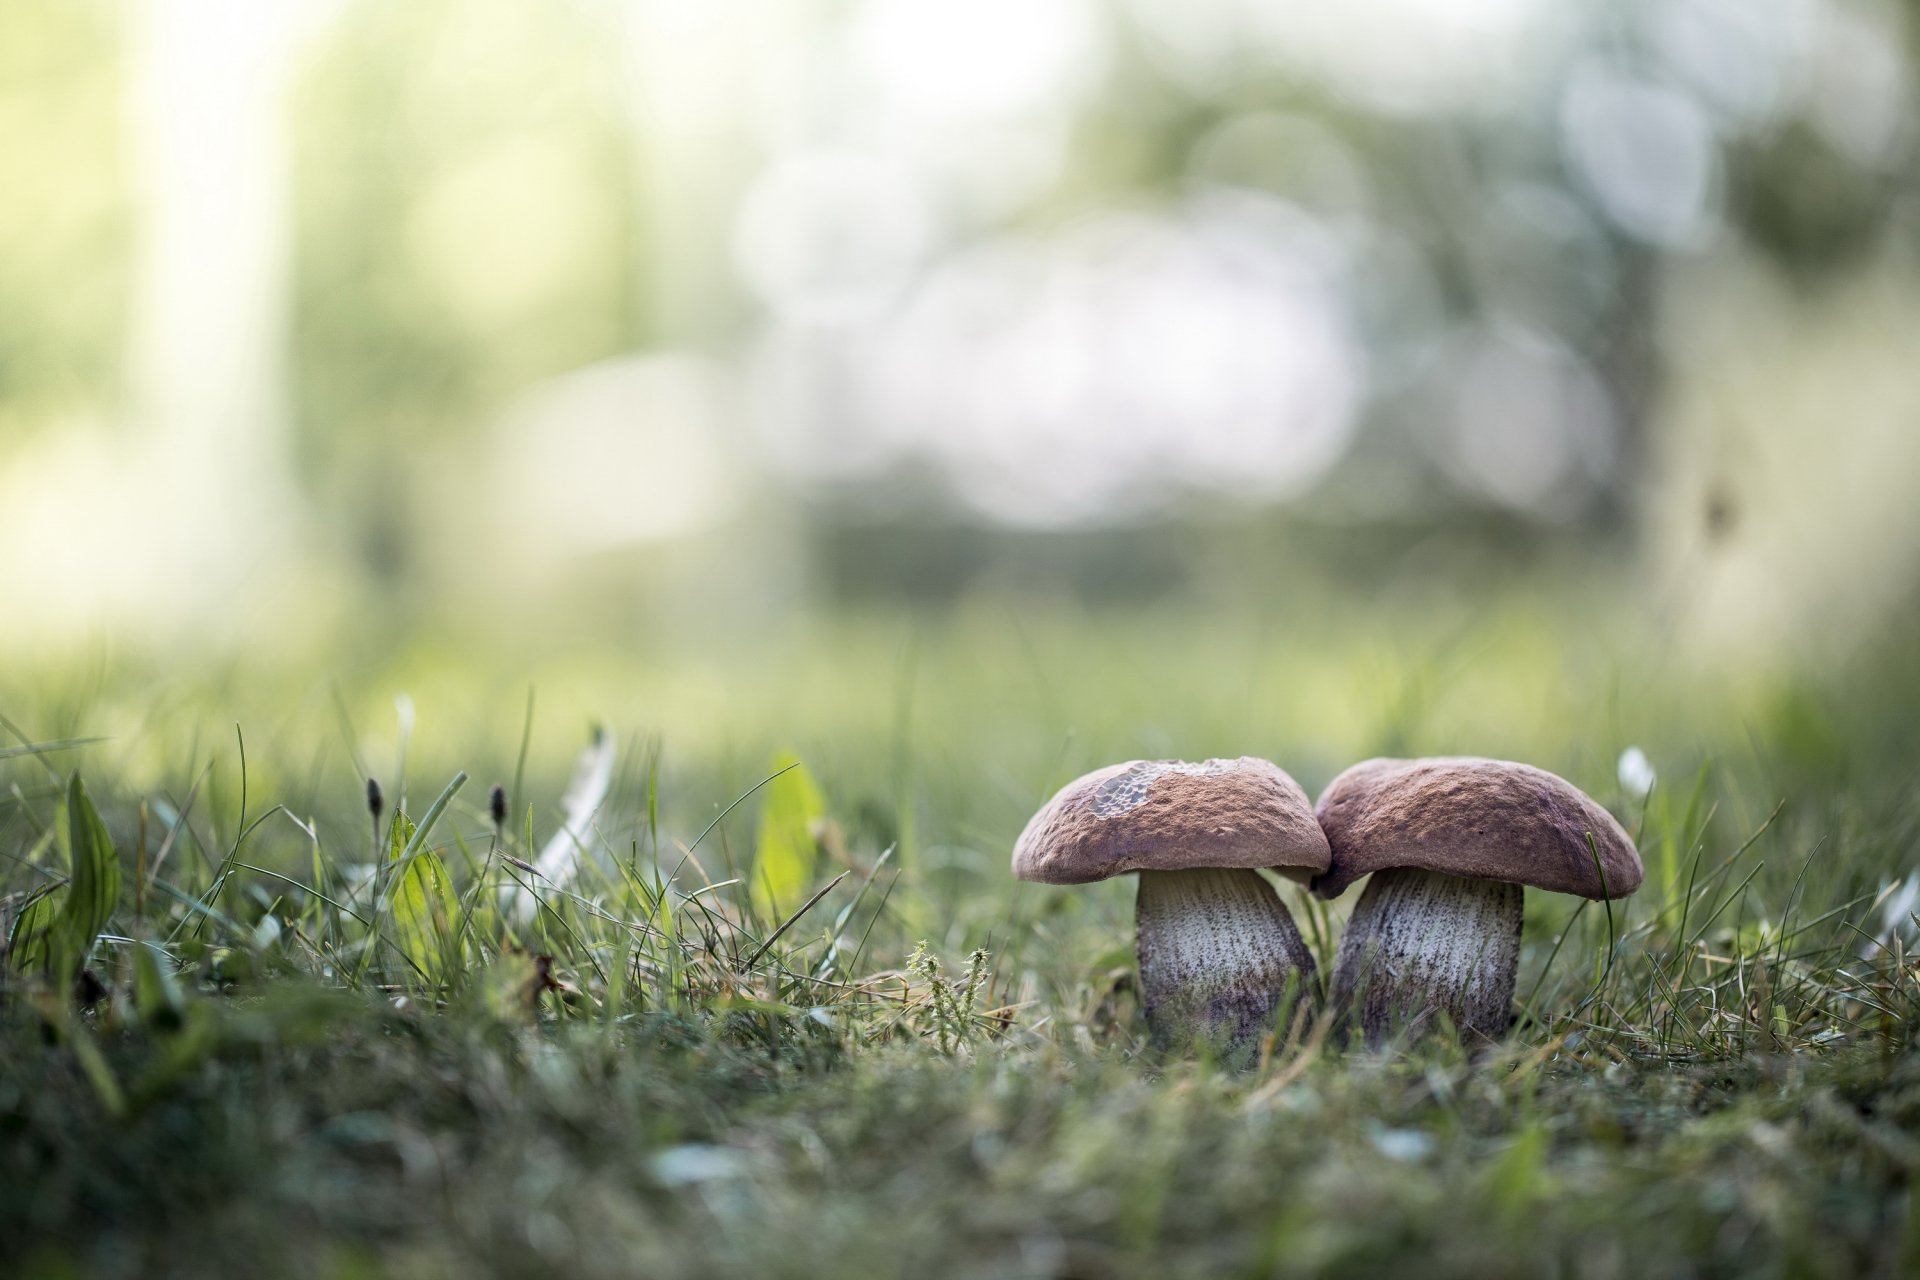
(1420, 943)
(1219, 954)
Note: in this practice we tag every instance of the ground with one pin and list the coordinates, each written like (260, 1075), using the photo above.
(301, 1051)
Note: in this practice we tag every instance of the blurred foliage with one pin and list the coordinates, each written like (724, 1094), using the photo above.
(476, 190)
(1810, 208)
(66, 219)
(465, 222)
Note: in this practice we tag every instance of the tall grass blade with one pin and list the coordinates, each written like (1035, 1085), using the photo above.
(94, 889)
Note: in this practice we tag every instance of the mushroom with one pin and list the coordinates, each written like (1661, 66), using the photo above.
(1218, 950)
(1450, 842)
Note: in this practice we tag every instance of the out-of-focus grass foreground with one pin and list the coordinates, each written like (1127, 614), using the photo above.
(718, 468)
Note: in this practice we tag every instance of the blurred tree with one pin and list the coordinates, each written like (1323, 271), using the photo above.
(65, 216)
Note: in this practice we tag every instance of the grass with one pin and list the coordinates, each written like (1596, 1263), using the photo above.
(794, 1018)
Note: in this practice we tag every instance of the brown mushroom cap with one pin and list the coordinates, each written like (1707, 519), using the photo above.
(1166, 815)
(1487, 819)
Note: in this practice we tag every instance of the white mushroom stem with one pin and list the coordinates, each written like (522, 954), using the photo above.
(1420, 944)
(1219, 955)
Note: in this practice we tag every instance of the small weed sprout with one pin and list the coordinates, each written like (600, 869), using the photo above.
(947, 1015)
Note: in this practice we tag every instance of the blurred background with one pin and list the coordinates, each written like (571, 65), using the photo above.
(549, 328)
(957, 397)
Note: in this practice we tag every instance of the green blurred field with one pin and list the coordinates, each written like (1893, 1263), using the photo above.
(1734, 1092)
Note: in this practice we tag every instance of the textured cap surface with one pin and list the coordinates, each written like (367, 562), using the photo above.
(1167, 815)
(1460, 816)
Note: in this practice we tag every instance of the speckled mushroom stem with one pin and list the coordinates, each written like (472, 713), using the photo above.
(1420, 944)
(1219, 955)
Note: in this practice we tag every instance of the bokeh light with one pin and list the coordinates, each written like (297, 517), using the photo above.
(283, 280)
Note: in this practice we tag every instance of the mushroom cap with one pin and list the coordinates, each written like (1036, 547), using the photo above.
(1167, 815)
(1461, 816)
